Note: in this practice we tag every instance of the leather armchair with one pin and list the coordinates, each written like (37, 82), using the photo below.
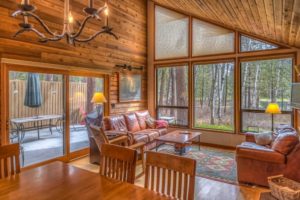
(255, 163)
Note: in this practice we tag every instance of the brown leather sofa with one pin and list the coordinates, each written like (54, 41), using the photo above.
(135, 126)
(131, 124)
(255, 163)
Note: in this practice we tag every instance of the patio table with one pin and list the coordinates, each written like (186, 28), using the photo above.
(37, 121)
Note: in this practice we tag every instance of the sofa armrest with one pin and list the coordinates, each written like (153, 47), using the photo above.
(265, 155)
(250, 137)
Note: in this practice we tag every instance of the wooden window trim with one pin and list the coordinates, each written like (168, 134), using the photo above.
(238, 57)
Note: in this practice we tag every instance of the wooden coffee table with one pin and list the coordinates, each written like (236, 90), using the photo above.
(180, 139)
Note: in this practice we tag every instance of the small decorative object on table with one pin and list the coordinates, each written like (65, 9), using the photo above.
(283, 188)
(185, 132)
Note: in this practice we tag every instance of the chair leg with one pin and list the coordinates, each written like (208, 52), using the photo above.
(143, 158)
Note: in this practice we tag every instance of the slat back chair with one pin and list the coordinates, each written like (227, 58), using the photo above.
(170, 175)
(9, 160)
(118, 162)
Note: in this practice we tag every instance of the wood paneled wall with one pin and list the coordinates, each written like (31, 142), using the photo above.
(127, 17)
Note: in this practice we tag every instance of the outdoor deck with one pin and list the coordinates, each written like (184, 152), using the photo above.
(50, 146)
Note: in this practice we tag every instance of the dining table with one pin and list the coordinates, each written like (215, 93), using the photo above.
(58, 180)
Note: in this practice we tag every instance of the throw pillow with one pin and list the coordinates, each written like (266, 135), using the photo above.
(285, 142)
(161, 124)
(150, 121)
(264, 138)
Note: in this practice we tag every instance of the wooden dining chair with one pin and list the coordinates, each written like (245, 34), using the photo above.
(118, 162)
(9, 160)
(170, 175)
(101, 138)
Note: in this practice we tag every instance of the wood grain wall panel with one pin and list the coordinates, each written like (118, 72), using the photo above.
(275, 20)
(127, 17)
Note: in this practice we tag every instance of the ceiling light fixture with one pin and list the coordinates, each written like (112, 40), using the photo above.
(27, 10)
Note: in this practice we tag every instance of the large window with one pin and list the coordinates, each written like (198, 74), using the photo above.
(172, 94)
(262, 82)
(214, 96)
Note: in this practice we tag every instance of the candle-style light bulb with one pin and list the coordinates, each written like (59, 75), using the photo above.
(70, 18)
(25, 2)
(106, 12)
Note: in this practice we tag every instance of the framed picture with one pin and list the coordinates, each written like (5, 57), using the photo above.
(130, 87)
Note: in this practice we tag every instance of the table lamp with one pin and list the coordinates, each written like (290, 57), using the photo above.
(273, 108)
(98, 99)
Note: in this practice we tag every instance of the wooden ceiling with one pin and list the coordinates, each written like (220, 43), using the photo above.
(276, 20)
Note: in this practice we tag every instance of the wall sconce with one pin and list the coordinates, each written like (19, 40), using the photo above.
(129, 67)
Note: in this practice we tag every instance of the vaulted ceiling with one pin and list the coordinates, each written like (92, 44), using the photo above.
(276, 20)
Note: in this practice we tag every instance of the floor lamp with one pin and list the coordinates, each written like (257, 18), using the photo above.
(98, 99)
(273, 108)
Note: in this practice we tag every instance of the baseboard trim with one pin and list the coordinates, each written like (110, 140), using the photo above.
(215, 145)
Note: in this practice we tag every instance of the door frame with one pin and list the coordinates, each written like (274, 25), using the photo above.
(8, 65)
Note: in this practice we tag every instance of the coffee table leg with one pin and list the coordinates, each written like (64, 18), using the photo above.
(199, 143)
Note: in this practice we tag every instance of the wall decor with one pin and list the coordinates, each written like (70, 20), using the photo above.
(130, 87)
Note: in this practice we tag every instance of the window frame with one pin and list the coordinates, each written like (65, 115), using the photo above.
(283, 51)
(229, 60)
(157, 106)
(253, 59)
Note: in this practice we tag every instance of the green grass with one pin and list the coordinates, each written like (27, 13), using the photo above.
(215, 127)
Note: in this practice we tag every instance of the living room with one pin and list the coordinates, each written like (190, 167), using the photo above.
(205, 89)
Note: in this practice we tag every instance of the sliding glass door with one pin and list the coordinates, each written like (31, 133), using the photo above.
(37, 115)
(82, 89)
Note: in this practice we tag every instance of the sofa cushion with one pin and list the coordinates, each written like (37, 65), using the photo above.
(117, 123)
(140, 138)
(162, 131)
(132, 122)
(285, 142)
(257, 152)
(264, 138)
(150, 121)
(142, 117)
(152, 134)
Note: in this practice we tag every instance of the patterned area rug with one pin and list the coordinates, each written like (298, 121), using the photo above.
(212, 163)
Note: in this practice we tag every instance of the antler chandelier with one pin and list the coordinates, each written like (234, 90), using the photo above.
(27, 11)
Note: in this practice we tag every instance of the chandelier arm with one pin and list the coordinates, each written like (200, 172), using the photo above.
(16, 13)
(54, 39)
(47, 29)
(22, 30)
(82, 26)
(90, 38)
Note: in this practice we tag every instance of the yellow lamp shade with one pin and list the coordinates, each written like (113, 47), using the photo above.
(98, 98)
(273, 108)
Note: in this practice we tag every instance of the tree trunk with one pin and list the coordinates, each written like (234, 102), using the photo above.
(90, 93)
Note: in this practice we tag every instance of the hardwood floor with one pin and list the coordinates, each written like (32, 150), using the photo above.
(206, 189)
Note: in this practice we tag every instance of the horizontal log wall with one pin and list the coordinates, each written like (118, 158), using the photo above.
(127, 17)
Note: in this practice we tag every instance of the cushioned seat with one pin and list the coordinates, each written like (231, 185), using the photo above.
(255, 163)
(150, 133)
